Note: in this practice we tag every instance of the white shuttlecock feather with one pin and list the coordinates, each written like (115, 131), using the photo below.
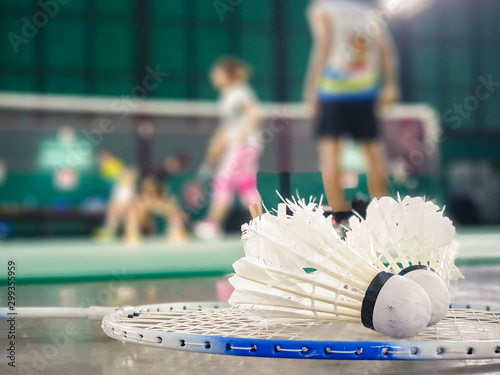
(405, 232)
(409, 237)
(297, 267)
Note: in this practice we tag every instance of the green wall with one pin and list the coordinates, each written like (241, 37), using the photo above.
(103, 47)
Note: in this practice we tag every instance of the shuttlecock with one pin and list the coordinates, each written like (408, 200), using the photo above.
(296, 267)
(412, 238)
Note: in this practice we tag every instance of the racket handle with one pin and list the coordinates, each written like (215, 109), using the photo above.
(91, 313)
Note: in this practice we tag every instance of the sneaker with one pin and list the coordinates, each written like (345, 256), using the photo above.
(340, 222)
(177, 234)
(103, 235)
(208, 230)
(340, 219)
(359, 206)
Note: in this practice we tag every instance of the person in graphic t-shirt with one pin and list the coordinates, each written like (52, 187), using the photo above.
(352, 71)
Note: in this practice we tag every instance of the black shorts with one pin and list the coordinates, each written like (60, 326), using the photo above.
(354, 119)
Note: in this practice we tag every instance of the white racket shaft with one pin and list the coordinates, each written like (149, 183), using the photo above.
(90, 313)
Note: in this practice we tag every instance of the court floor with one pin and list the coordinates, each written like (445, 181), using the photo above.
(79, 347)
(65, 260)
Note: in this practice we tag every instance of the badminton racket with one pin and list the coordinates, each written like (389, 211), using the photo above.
(469, 331)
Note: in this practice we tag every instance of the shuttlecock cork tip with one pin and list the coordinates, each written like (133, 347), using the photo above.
(434, 286)
(395, 306)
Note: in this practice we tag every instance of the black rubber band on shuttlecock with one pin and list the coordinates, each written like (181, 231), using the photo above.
(414, 268)
(371, 296)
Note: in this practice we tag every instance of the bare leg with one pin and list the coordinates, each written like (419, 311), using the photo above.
(377, 179)
(218, 213)
(255, 210)
(329, 151)
(222, 199)
(220, 206)
(116, 213)
(113, 214)
(176, 220)
(136, 215)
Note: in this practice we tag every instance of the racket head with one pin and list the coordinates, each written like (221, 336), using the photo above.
(470, 331)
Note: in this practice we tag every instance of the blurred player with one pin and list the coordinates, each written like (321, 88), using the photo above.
(153, 200)
(235, 148)
(352, 69)
(123, 193)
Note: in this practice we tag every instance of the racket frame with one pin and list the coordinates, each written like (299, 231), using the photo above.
(297, 348)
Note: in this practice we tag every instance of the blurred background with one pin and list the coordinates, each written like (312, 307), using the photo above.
(74, 82)
(89, 88)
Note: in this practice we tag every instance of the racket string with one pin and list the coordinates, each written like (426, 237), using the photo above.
(329, 350)
(468, 331)
(459, 325)
(303, 349)
(252, 348)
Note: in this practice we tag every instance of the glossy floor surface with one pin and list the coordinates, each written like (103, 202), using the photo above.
(79, 347)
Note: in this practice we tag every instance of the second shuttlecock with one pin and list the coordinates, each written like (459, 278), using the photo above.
(410, 237)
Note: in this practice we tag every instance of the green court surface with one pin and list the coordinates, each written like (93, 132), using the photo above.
(62, 260)
(50, 260)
